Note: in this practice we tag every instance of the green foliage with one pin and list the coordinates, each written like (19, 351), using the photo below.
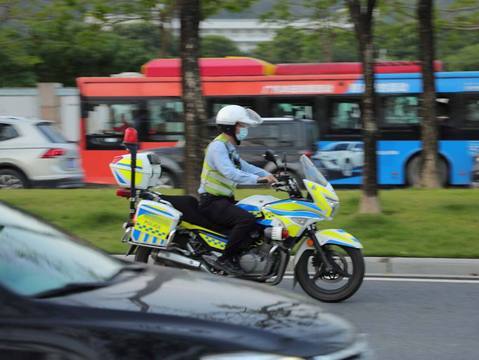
(466, 59)
(60, 40)
(218, 46)
(76, 49)
(211, 7)
(16, 64)
(299, 45)
(395, 32)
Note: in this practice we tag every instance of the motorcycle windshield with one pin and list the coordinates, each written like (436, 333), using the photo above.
(311, 172)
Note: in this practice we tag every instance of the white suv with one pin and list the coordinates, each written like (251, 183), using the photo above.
(33, 153)
(343, 156)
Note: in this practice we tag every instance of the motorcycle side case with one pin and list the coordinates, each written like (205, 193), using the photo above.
(155, 224)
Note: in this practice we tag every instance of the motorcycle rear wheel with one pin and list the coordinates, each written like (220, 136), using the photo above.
(336, 286)
(142, 254)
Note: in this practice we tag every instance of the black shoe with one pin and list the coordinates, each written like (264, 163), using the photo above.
(229, 266)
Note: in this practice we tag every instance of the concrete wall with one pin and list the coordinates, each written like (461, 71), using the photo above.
(49, 101)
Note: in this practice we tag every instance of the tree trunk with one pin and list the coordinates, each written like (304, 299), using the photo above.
(429, 130)
(193, 103)
(363, 24)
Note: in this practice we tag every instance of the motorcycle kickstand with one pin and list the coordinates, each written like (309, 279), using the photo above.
(131, 250)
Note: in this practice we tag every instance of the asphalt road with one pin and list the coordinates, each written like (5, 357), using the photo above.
(417, 319)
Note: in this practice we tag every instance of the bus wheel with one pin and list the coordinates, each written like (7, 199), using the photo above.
(413, 172)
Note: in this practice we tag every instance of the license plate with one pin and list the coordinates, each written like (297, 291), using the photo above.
(71, 163)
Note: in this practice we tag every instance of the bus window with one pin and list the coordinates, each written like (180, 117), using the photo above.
(106, 123)
(165, 120)
(401, 110)
(472, 112)
(295, 110)
(345, 115)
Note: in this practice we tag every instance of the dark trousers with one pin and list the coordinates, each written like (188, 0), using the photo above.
(222, 211)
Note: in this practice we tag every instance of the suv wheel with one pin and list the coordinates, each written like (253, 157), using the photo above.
(347, 168)
(167, 180)
(12, 179)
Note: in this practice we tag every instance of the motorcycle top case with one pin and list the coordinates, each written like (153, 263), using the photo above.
(146, 174)
(155, 224)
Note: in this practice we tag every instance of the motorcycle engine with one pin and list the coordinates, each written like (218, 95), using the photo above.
(254, 261)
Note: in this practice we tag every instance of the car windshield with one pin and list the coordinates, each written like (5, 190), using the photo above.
(36, 258)
(311, 172)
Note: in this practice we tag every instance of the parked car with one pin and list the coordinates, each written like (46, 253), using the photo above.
(281, 135)
(344, 157)
(61, 299)
(34, 153)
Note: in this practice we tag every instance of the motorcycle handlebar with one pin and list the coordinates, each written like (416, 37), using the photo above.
(262, 181)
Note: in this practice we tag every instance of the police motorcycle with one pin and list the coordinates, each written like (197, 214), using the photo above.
(328, 264)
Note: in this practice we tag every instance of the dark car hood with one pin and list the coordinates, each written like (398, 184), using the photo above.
(268, 319)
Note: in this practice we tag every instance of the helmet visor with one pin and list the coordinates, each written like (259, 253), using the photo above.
(252, 118)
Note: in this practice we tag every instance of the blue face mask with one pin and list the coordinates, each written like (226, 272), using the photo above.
(242, 134)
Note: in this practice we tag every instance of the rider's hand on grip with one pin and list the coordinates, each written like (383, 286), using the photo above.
(270, 179)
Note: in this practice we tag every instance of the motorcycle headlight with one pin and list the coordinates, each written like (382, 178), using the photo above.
(301, 221)
(249, 356)
(334, 207)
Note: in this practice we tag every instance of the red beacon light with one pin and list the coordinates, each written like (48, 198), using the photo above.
(130, 137)
(123, 193)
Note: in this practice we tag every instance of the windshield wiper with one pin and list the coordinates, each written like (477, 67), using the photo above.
(71, 288)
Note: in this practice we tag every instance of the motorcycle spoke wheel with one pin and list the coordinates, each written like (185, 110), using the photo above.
(335, 284)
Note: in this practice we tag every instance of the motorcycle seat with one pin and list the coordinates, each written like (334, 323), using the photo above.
(188, 205)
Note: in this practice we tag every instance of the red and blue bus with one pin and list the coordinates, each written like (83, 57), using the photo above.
(327, 93)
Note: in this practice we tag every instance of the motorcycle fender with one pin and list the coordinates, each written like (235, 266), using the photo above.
(329, 236)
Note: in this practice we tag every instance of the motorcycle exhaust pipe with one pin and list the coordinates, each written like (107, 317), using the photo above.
(180, 259)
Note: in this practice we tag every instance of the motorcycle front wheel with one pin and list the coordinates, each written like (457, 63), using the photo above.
(142, 253)
(336, 285)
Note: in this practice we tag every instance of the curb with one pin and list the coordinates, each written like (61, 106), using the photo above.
(411, 267)
(422, 266)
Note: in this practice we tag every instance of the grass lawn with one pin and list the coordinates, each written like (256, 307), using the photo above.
(414, 223)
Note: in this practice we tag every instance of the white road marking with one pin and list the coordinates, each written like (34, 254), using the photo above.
(451, 281)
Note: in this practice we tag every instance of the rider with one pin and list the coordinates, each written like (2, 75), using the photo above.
(223, 169)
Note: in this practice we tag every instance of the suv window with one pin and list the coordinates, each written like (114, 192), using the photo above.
(340, 147)
(271, 135)
(214, 105)
(51, 133)
(7, 132)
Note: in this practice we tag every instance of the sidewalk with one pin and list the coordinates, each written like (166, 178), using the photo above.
(421, 267)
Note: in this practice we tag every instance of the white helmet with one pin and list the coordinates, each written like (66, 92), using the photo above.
(233, 114)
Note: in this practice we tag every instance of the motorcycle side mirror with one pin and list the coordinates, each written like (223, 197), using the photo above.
(269, 156)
